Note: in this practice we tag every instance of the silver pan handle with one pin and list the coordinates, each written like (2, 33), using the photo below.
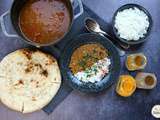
(3, 26)
(78, 3)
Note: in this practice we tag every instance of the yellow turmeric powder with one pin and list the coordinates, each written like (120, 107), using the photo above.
(126, 85)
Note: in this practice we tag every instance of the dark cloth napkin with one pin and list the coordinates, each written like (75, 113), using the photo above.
(77, 28)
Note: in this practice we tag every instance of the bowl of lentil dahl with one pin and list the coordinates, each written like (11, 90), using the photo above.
(90, 63)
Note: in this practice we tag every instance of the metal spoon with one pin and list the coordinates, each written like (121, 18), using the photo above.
(93, 26)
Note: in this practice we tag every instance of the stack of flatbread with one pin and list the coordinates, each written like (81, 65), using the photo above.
(28, 80)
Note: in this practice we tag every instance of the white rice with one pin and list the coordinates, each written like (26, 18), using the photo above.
(131, 24)
(89, 75)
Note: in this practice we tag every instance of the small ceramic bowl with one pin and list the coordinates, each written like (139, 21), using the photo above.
(146, 80)
(136, 61)
(132, 42)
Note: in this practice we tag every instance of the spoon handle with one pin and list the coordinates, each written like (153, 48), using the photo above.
(106, 34)
(121, 52)
(124, 46)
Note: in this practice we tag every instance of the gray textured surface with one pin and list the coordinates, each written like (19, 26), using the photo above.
(106, 105)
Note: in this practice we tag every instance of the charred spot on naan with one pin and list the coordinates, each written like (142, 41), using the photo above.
(22, 107)
(44, 73)
(32, 80)
(31, 66)
(37, 84)
(20, 82)
(38, 65)
(27, 70)
(34, 98)
(51, 60)
(28, 53)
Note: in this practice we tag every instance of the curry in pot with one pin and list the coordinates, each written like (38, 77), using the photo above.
(44, 21)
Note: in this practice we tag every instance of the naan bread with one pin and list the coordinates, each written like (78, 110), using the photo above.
(28, 80)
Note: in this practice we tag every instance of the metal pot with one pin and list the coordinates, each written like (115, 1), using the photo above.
(14, 12)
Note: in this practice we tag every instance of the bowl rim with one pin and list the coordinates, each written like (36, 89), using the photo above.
(69, 77)
(132, 42)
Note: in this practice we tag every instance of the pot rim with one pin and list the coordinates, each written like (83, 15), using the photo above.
(29, 41)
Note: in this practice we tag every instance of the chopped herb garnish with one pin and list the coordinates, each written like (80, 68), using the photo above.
(82, 64)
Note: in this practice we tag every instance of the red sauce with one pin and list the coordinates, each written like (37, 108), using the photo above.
(44, 21)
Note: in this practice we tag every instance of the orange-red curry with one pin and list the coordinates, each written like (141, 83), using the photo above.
(86, 55)
(44, 21)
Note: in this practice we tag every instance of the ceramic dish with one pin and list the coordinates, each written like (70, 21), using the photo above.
(141, 40)
(109, 78)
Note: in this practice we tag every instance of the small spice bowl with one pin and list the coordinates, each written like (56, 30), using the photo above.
(136, 61)
(146, 80)
(126, 86)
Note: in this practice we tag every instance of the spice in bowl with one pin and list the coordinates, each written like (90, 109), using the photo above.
(136, 61)
(146, 80)
(126, 85)
(149, 80)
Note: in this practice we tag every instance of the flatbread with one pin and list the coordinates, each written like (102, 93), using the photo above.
(28, 80)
